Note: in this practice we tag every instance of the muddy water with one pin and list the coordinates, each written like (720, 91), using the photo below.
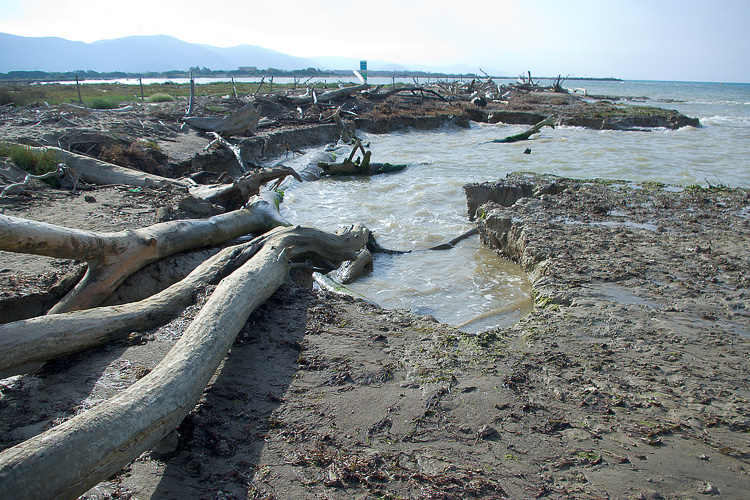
(425, 204)
(414, 210)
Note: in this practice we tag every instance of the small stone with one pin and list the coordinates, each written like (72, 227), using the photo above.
(703, 457)
(487, 432)
(710, 489)
(167, 445)
(650, 495)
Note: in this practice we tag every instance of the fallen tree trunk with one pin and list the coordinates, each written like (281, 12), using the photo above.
(112, 257)
(44, 338)
(100, 172)
(67, 460)
(547, 122)
(242, 122)
(351, 270)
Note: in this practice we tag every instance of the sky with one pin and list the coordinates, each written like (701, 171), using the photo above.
(683, 40)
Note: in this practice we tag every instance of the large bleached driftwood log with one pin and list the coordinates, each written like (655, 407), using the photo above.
(100, 172)
(31, 341)
(67, 460)
(112, 257)
(242, 122)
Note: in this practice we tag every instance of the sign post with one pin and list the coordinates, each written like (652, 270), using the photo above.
(363, 69)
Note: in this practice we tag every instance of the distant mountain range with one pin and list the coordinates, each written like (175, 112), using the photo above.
(159, 53)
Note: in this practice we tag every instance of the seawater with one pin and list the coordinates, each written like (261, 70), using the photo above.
(425, 205)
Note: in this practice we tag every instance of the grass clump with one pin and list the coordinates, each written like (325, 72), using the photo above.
(104, 102)
(161, 97)
(34, 162)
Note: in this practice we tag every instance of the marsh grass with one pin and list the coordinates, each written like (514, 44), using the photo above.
(34, 162)
(161, 97)
(105, 102)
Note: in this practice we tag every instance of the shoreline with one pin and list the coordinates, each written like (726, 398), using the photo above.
(628, 380)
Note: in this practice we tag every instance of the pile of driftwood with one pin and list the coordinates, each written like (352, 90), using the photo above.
(479, 91)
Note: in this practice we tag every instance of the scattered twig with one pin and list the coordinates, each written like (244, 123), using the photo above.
(56, 173)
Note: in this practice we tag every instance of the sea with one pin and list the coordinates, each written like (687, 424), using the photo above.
(470, 286)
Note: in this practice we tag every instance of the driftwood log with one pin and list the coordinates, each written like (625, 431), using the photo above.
(67, 460)
(547, 122)
(352, 269)
(100, 172)
(327, 96)
(230, 196)
(235, 195)
(360, 166)
(244, 121)
(112, 257)
(35, 340)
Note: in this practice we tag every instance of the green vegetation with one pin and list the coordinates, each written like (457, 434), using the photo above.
(653, 185)
(105, 102)
(161, 97)
(590, 457)
(697, 188)
(543, 301)
(34, 162)
(17, 94)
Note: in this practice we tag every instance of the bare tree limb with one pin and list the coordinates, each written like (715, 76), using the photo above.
(67, 460)
(112, 257)
(48, 337)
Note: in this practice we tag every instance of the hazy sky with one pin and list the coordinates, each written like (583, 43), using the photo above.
(687, 40)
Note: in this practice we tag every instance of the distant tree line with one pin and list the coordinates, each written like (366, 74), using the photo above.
(206, 72)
